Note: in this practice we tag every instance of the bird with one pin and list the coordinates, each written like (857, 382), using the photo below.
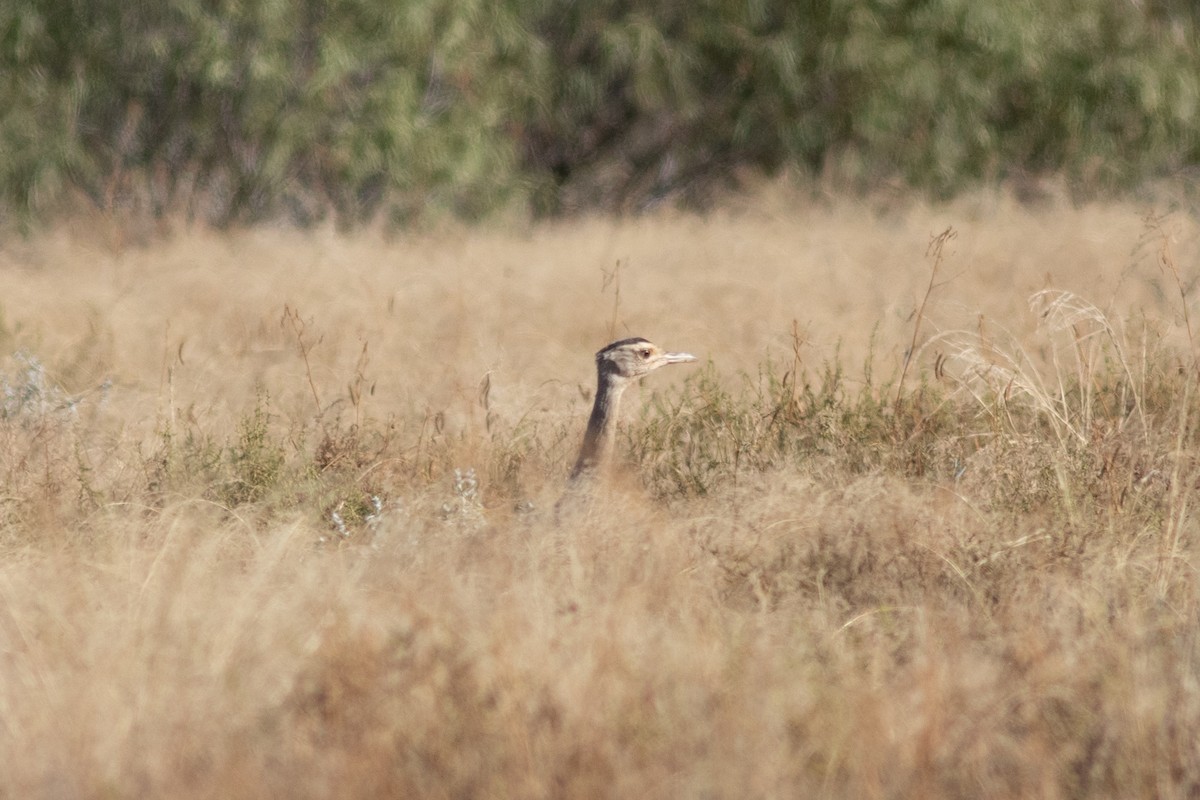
(618, 365)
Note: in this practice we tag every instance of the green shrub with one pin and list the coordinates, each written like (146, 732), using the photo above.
(238, 112)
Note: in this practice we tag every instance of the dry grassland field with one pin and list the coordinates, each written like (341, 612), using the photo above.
(277, 514)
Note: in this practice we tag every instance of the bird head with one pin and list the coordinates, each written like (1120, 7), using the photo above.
(633, 358)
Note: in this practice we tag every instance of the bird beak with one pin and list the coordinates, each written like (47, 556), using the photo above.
(678, 358)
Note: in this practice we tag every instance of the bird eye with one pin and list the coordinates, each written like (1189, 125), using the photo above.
(645, 354)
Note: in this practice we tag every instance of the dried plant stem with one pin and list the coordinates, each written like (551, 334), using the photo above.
(1167, 264)
(292, 319)
(935, 250)
(799, 340)
(613, 278)
(1178, 499)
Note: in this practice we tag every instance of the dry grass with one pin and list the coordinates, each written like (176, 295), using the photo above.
(236, 558)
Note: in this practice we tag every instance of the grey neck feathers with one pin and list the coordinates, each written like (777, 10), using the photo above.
(602, 425)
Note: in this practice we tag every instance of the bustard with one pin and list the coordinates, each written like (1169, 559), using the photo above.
(617, 366)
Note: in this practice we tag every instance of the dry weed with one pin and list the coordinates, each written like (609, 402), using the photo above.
(846, 559)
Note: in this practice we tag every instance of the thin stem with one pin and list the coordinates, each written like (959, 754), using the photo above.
(936, 244)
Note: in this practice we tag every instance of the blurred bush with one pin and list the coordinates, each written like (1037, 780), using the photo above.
(237, 111)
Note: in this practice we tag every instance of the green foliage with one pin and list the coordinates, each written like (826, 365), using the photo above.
(243, 111)
(240, 111)
(256, 460)
(247, 468)
(950, 91)
(707, 435)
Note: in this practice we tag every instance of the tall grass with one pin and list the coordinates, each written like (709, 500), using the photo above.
(236, 570)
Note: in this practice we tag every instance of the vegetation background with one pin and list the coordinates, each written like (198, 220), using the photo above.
(297, 302)
(241, 111)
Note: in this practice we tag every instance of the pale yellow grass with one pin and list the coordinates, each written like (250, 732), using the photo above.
(799, 634)
(439, 312)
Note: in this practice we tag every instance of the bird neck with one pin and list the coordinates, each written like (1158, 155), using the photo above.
(602, 425)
